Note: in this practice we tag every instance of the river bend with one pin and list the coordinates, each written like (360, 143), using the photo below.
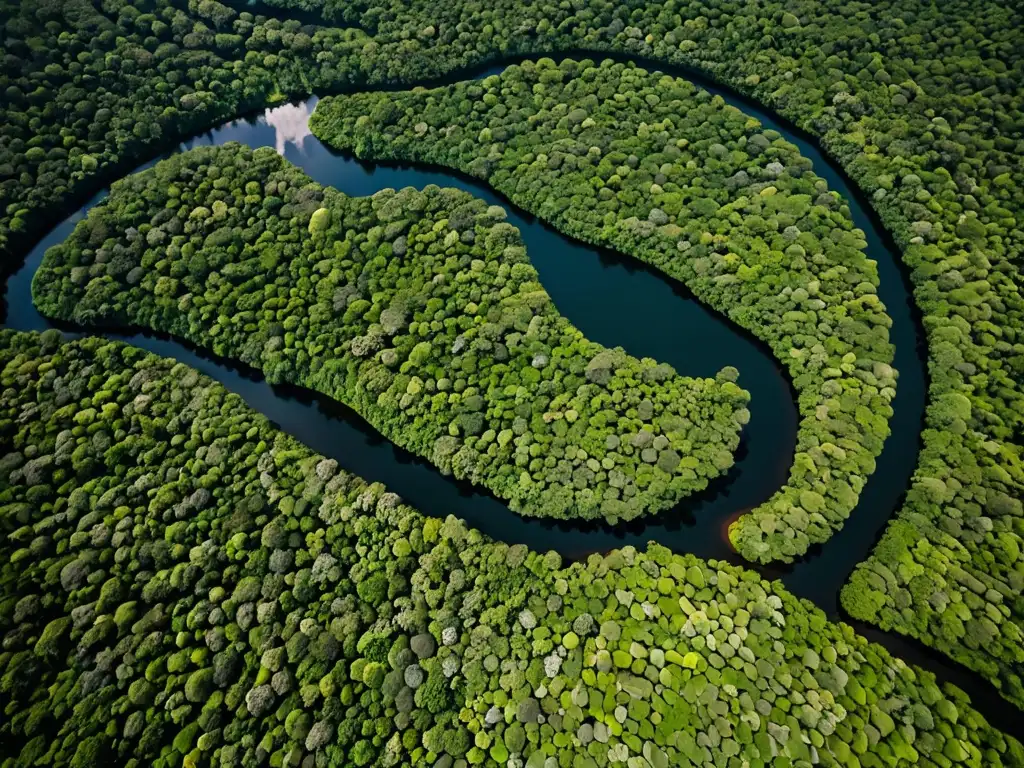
(615, 301)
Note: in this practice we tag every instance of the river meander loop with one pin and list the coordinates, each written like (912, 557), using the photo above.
(614, 300)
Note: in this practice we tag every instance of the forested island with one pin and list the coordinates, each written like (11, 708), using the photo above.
(420, 309)
(183, 583)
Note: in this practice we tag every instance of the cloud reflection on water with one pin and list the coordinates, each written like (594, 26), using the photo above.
(290, 123)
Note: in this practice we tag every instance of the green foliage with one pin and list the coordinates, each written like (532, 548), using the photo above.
(468, 654)
(419, 309)
(921, 105)
(87, 87)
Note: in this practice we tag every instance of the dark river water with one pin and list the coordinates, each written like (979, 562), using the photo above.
(614, 300)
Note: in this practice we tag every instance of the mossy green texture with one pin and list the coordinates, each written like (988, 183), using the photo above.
(658, 169)
(420, 310)
(225, 596)
(922, 106)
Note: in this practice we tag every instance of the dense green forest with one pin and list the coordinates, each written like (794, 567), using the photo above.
(184, 585)
(923, 105)
(654, 167)
(419, 309)
(589, 148)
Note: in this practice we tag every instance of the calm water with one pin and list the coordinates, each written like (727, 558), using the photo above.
(615, 301)
(612, 299)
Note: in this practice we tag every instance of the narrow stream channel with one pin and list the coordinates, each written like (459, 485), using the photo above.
(614, 300)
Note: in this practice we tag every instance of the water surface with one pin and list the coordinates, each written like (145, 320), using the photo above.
(614, 300)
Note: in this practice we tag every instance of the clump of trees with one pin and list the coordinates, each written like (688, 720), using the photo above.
(420, 310)
(922, 106)
(653, 166)
(182, 584)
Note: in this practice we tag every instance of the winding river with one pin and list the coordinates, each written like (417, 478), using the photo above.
(614, 300)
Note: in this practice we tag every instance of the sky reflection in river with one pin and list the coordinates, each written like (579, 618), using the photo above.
(290, 123)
